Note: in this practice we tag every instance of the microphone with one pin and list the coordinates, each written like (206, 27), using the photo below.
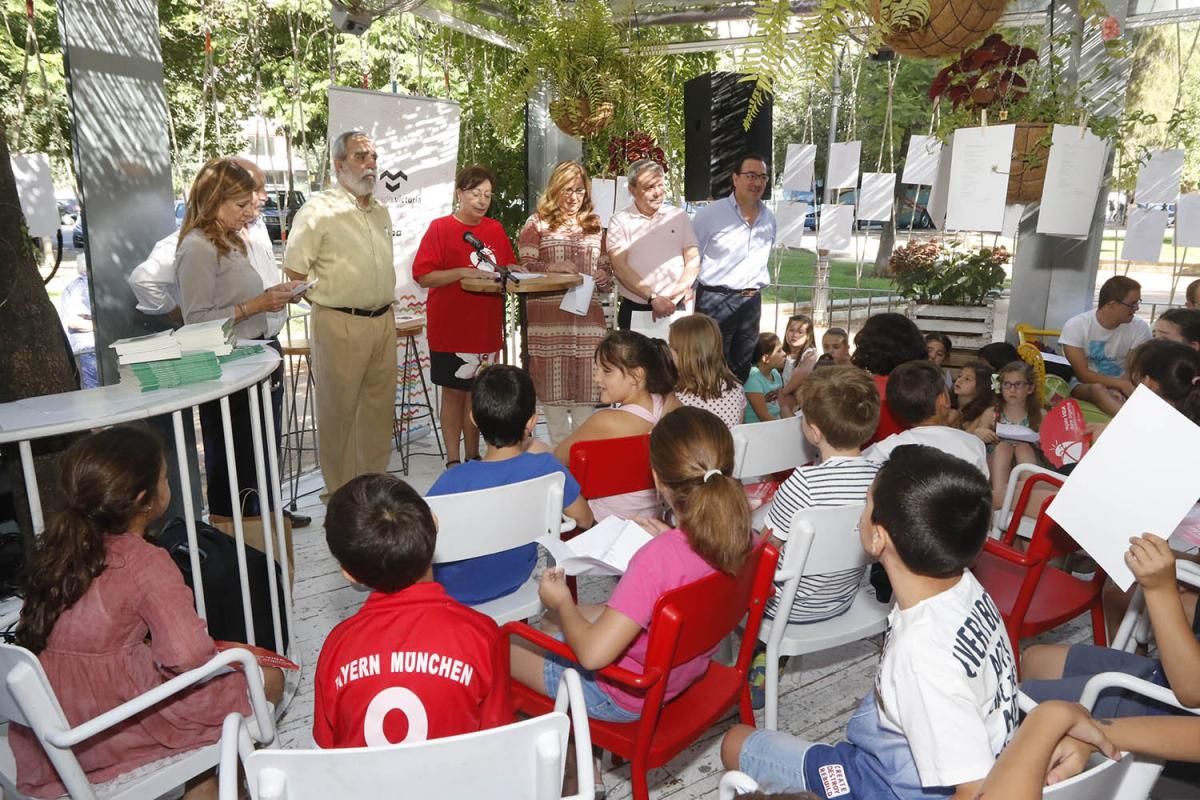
(480, 248)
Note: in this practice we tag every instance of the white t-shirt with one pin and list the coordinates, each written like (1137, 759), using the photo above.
(947, 682)
(1105, 348)
(966, 446)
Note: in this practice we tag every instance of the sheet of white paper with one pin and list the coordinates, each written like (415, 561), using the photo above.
(1139, 477)
(798, 167)
(1144, 235)
(643, 322)
(834, 233)
(877, 197)
(521, 276)
(35, 188)
(979, 178)
(843, 165)
(1016, 433)
(1055, 358)
(1187, 221)
(1073, 174)
(1158, 177)
(939, 194)
(604, 199)
(1012, 220)
(604, 549)
(789, 224)
(579, 298)
(624, 198)
(921, 162)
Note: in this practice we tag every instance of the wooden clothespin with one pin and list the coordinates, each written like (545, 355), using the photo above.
(1083, 121)
(983, 118)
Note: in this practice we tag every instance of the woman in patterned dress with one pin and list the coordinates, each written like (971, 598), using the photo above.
(564, 235)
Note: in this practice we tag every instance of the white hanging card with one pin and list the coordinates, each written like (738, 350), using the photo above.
(921, 162)
(1104, 502)
(1144, 235)
(979, 178)
(939, 194)
(878, 196)
(798, 167)
(1073, 175)
(578, 298)
(1159, 176)
(604, 199)
(789, 224)
(1012, 220)
(35, 188)
(836, 222)
(1187, 221)
(843, 165)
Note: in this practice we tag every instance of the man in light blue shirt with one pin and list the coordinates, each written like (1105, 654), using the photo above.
(735, 237)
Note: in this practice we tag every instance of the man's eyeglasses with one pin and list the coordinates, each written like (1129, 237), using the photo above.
(754, 176)
(1131, 306)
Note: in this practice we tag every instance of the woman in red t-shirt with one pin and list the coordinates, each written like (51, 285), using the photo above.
(464, 327)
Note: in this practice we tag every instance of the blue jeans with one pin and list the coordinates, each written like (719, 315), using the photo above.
(599, 704)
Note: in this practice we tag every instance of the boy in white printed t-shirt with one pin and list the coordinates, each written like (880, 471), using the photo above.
(1098, 341)
(917, 396)
(945, 697)
(841, 411)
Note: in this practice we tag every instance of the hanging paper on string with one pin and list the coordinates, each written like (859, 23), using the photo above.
(604, 199)
(921, 162)
(1074, 171)
(843, 165)
(939, 194)
(798, 167)
(878, 196)
(836, 222)
(979, 178)
(1144, 235)
(1187, 221)
(1158, 177)
(789, 224)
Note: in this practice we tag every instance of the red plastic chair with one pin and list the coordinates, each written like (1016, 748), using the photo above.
(604, 467)
(687, 622)
(1033, 596)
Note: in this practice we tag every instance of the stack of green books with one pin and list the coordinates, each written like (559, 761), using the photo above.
(241, 352)
(167, 374)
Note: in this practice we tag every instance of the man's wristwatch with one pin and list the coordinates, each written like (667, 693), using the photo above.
(650, 299)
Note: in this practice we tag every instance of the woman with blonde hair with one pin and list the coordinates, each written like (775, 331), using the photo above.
(564, 235)
(217, 281)
(704, 379)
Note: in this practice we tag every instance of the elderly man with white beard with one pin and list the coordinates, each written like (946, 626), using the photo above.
(342, 239)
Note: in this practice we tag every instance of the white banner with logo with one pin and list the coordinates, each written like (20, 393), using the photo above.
(417, 142)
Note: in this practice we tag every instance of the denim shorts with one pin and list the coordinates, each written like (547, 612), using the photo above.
(1085, 661)
(599, 704)
(775, 760)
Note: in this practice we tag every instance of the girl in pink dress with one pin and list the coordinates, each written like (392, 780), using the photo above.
(635, 375)
(95, 589)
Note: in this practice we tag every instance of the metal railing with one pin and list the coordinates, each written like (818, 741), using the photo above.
(847, 305)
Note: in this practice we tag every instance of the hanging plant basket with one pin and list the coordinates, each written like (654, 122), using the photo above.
(579, 116)
(953, 26)
(1027, 174)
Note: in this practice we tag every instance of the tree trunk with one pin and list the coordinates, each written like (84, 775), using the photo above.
(35, 356)
(887, 236)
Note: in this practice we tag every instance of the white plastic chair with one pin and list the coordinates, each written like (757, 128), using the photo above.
(760, 448)
(734, 783)
(488, 521)
(1002, 518)
(525, 761)
(822, 540)
(29, 700)
(1135, 625)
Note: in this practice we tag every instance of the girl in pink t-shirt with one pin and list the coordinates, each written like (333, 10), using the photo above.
(691, 455)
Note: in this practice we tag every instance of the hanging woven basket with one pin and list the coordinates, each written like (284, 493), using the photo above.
(1031, 151)
(953, 26)
(579, 116)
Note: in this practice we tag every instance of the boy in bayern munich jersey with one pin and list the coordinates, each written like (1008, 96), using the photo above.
(413, 663)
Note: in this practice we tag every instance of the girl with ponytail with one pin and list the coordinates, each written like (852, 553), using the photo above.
(636, 380)
(94, 590)
(691, 453)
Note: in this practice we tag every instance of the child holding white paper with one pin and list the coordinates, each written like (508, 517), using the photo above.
(691, 455)
(1017, 410)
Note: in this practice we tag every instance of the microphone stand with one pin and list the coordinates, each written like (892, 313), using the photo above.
(506, 277)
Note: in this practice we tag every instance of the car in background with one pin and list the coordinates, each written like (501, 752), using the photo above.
(271, 214)
(180, 208)
(77, 238)
(68, 210)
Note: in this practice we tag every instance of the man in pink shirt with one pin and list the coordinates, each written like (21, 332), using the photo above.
(653, 249)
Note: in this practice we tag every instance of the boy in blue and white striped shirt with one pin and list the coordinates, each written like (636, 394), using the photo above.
(841, 411)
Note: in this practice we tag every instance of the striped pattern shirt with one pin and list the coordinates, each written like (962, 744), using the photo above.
(838, 481)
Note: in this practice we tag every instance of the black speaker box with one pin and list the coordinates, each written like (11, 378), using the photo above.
(714, 106)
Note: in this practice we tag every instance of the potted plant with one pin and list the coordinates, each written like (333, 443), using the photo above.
(934, 28)
(578, 52)
(952, 288)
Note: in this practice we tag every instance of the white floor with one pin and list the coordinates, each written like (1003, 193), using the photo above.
(816, 698)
